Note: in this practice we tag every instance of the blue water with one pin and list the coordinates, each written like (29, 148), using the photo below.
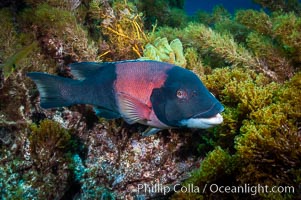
(191, 6)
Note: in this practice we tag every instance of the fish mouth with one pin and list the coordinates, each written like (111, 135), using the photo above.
(203, 123)
(211, 112)
(215, 120)
(205, 119)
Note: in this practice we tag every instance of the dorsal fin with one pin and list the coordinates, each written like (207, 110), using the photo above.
(82, 70)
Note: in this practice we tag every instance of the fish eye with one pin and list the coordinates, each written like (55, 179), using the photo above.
(181, 94)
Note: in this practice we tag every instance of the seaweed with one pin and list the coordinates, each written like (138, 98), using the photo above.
(239, 44)
(286, 29)
(12, 62)
(281, 5)
(262, 123)
(121, 26)
(162, 51)
(59, 34)
(261, 21)
(49, 144)
(69, 5)
(280, 30)
(162, 13)
(217, 165)
(250, 61)
(8, 36)
(48, 136)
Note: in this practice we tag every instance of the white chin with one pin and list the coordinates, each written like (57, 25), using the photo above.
(202, 122)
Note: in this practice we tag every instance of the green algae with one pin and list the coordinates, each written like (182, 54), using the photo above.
(49, 147)
(120, 29)
(27, 162)
(261, 21)
(12, 62)
(281, 5)
(217, 165)
(47, 142)
(8, 36)
(262, 125)
(62, 39)
(162, 12)
(162, 51)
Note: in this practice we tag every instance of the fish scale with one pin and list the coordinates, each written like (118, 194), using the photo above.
(139, 81)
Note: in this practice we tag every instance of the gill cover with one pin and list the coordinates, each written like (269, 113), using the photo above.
(183, 96)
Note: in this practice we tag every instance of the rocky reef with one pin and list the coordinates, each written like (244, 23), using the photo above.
(249, 60)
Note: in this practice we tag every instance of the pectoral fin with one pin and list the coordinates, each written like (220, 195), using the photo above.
(133, 110)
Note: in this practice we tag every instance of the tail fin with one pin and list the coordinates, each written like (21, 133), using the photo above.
(54, 91)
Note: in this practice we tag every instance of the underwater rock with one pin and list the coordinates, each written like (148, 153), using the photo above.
(5, 135)
(118, 158)
(58, 33)
(14, 100)
(121, 160)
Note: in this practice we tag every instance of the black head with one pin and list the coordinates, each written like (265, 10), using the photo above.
(183, 96)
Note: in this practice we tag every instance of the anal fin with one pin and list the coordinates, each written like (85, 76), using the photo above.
(105, 113)
(150, 131)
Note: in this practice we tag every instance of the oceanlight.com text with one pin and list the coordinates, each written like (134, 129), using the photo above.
(250, 189)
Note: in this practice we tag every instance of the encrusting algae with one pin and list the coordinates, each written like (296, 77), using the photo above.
(249, 60)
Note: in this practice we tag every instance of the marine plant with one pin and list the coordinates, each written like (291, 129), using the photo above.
(8, 36)
(281, 5)
(12, 62)
(177, 18)
(65, 40)
(239, 45)
(160, 50)
(270, 55)
(215, 168)
(249, 61)
(263, 24)
(286, 29)
(49, 144)
(260, 131)
(281, 29)
(66, 5)
(162, 13)
(121, 28)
